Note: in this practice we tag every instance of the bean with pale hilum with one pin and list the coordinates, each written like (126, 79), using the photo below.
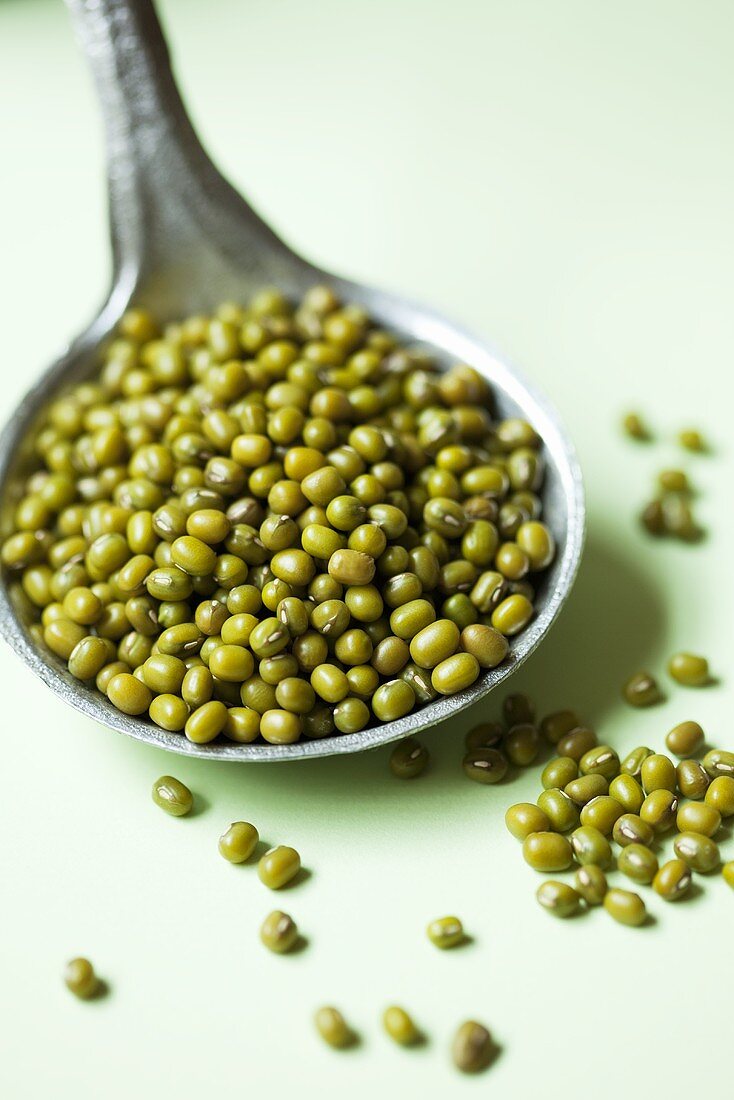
(446, 932)
(485, 765)
(659, 810)
(238, 842)
(278, 932)
(409, 759)
(591, 847)
(591, 883)
(673, 881)
(641, 690)
(698, 851)
(638, 862)
(558, 898)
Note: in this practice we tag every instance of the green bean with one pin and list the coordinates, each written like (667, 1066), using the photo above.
(275, 521)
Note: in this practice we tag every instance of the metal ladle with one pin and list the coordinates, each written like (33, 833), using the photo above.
(184, 240)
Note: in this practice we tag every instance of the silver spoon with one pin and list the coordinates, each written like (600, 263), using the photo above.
(184, 240)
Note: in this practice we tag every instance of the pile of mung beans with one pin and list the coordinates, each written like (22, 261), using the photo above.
(591, 801)
(276, 522)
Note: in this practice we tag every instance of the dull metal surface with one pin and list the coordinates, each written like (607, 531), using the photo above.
(182, 240)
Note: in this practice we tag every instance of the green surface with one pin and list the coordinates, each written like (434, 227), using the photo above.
(560, 177)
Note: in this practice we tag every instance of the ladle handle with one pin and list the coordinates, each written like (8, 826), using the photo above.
(169, 205)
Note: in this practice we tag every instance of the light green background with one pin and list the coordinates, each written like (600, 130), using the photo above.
(558, 175)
